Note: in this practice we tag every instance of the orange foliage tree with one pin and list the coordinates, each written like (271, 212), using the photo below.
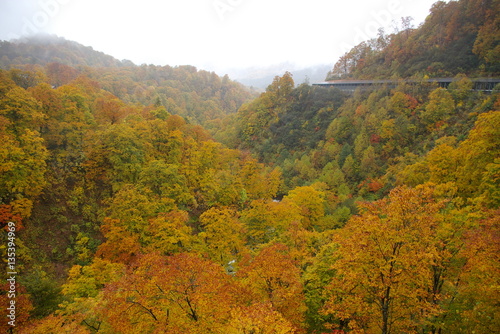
(183, 293)
(395, 260)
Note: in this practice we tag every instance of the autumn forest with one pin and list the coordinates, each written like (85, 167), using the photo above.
(159, 199)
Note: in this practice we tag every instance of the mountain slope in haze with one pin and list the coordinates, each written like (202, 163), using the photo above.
(457, 37)
(45, 49)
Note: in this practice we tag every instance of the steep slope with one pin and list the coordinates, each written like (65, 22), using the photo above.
(75, 154)
(128, 219)
(457, 37)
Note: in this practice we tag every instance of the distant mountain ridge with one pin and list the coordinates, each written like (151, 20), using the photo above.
(45, 49)
(261, 77)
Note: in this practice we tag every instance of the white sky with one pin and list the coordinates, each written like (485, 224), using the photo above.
(212, 34)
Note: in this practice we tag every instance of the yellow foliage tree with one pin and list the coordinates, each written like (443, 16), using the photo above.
(267, 220)
(222, 235)
(311, 203)
(168, 233)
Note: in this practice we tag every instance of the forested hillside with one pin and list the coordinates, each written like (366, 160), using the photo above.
(158, 199)
(357, 146)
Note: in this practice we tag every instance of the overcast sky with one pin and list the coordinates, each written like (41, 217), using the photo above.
(212, 34)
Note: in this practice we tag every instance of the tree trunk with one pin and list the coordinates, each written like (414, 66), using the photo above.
(385, 311)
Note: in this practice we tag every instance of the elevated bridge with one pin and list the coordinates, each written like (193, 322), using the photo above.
(480, 84)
